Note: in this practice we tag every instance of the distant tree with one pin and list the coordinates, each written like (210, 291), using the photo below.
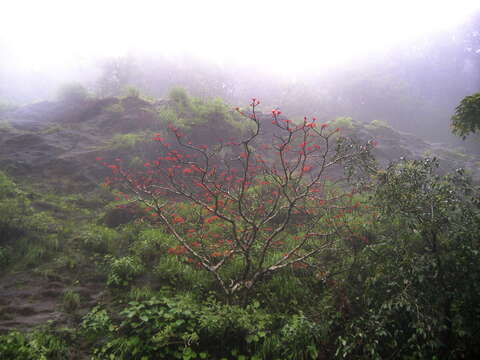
(116, 75)
(72, 93)
(467, 116)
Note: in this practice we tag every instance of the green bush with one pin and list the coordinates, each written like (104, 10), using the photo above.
(151, 244)
(73, 93)
(96, 323)
(412, 292)
(130, 141)
(181, 327)
(71, 301)
(123, 270)
(39, 345)
(211, 115)
(5, 256)
(115, 109)
(15, 209)
(343, 122)
(30, 235)
(99, 239)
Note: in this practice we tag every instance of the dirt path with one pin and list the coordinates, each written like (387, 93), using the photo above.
(28, 300)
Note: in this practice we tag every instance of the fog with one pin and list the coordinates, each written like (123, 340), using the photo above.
(407, 63)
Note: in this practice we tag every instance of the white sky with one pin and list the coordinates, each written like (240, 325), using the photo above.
(281, 35)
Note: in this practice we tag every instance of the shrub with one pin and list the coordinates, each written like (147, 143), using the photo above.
(413, 290)
(123, 270)
(129, 141)
(343, 122)
(5, 256)
(99, 239)
(71, 301)
(15, 209)
(96, 323)
(38, 345)
(72, 93)
(115, 109)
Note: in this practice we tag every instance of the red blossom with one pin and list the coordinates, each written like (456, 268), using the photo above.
(211, 219)
(177, 219)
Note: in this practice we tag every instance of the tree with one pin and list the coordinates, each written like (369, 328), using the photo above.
(72, 93)
(245, 209)
(420, 279)
(467, 116)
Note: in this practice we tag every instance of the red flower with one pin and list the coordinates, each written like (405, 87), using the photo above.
(178, 219)
(306, 168)
(211, 219)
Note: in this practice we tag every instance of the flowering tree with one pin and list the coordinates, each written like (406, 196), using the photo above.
(244, 209)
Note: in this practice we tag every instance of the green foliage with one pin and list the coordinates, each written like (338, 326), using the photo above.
(97, 323)
(15, 346)
(343, 122)
(73, 93)
(177, 328)
(39, 345)
(14, 207)
(378, 124)
(71, 301)
(299, 339)
(130, 141)
(123, 270)
(29, 235)
(414, 289)
(99, 239)
(180, 274)
(131, 91)
(212, 115)
(150, 245)
(467, 116)
(115, 109)
(180, 327)
(140, 293)
(180, 98)
(5, 256)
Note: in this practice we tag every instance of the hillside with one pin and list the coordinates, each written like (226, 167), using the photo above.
(353, 268)
(60, 141)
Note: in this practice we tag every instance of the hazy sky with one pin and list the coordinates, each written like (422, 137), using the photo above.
(288, 36)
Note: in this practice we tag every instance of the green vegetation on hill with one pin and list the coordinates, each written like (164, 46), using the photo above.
(98, 275)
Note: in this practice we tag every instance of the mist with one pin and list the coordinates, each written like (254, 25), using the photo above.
(407, 64)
